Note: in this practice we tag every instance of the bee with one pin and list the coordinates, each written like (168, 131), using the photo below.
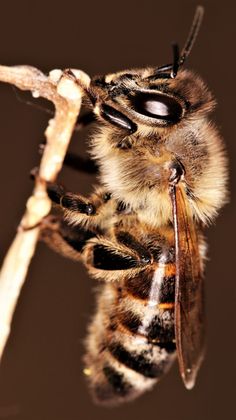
(163, 172)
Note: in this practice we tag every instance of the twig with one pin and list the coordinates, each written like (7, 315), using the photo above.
(66, 95)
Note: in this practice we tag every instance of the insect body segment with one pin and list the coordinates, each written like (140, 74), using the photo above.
(131, 340)
(162, 172)
(134, 338)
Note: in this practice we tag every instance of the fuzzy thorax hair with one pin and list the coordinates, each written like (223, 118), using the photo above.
(136, 168)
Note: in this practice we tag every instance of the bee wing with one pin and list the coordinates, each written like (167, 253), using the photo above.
(189, 300)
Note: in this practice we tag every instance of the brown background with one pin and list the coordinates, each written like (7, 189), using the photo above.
(40, 376)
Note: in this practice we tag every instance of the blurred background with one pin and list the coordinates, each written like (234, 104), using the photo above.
(41, 372)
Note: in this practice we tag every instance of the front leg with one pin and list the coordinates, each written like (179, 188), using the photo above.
(92, 212)
(63, 238)
(69, 201)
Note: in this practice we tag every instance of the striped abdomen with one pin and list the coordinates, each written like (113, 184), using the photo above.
(131, 339)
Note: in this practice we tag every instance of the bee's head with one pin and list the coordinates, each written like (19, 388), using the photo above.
(140, 115)
(152, 100)
(139, 102)
(140, 110)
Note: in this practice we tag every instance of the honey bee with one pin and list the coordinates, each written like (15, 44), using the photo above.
(163, 172)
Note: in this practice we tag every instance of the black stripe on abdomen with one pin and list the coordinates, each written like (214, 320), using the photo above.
(137, 362)
(159, 332)
(130, 321)
(117, 381)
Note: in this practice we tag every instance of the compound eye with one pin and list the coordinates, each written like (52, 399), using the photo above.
(162, 107)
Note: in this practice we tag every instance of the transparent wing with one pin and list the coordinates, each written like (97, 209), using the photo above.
(189, 293)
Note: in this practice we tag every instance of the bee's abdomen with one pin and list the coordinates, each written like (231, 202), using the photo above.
(130, 344)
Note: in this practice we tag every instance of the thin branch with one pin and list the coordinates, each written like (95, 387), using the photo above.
(66, 95)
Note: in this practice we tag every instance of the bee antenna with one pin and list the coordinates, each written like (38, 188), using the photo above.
(176, 60)
(197, 20)
(170, 70)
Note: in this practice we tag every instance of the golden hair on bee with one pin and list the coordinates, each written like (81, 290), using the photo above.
(162, 171)
(136, 167)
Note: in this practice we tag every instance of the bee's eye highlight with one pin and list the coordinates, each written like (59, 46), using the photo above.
(162, 107)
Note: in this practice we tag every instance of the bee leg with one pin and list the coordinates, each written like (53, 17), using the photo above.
(104, 258)
(110, 260)
(63, 238)
(70, 201)
(87, 212)
(80, 163)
